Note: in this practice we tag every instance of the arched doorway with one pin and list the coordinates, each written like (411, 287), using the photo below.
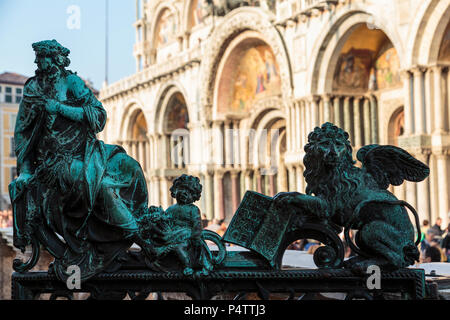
(176, 122)
(137, 142)
(170, 145)
(367, 66)
(247, 115)
(396, 127)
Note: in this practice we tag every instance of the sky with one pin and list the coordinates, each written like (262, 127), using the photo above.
(79, 25)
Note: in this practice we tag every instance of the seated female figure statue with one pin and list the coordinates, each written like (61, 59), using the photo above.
(70, 183)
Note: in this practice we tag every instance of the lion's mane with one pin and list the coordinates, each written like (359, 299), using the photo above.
(336, 184)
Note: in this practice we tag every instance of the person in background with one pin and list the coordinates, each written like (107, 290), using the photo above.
(222, 229)
(425, 227)
(213, 225)
(431, 254)
(205, 221)
(427, 241)
(446, 244)
(437, 227)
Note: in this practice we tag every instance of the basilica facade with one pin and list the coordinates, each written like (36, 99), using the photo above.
(230, 94)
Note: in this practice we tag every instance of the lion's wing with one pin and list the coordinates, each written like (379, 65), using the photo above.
(391, 165)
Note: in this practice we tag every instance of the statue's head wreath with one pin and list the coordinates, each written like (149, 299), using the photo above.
(54, 49)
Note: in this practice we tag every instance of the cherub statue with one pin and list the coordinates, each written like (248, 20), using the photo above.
(181, 228)
(70, 183)
(357, 198)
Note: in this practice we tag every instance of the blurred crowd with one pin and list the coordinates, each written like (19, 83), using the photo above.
(6, 219)
(435, 244)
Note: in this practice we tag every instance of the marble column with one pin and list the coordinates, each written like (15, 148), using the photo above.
(348, 118)
(165, 195)
(298, 134)
(423, 191)
(434, 187)
(149, 153)
(208, 193)
(327, 115)
(228, 144)
(141, 153)
(303, 121)
(336, 110)
(367, 122)
(235, 190)
(236, 144)
(272, 185)
(429, 104)
(289, 128)
(314, 112)
(419, 102)
(292, 178)
(219, 209)
(356, 122)
(181, 151)
(157, 191)
(134, 149)
(173, 153)
(300, 179)
(411, 193)
(373, 118)
(219, 143)
(443, 167)
(248, 180)
(408, 107)
(439, 120)
(258, 179)
(308, 118)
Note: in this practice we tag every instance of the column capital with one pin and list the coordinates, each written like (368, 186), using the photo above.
(418, 70)
(234, 173)
(405, 74)
(326, 97)
(216, 123)
(440, 152)
(313, 98)
(219, 173)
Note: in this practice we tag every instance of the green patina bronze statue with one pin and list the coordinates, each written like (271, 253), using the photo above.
(181, 229)
(70, 183)
(86, 202)
(356, 198)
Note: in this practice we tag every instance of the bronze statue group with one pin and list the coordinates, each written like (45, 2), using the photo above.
(73, 186)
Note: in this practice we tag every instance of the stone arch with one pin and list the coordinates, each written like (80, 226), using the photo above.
(232, 25)
(328, 46)
(163, 98)
(265, 149)
(396, 125)
(187, 10)
(248, 56)
(434, 16)
(134, 134)
(174, 138)
(267, 122)
(155, 18)
(131, 107)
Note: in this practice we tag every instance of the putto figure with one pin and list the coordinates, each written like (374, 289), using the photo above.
(356, 198)
(182, 228)
(70, 183)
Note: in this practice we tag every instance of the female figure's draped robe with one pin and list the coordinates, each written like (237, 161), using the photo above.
(88, 192)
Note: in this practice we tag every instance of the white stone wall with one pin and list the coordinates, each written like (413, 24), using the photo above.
(306, 44)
